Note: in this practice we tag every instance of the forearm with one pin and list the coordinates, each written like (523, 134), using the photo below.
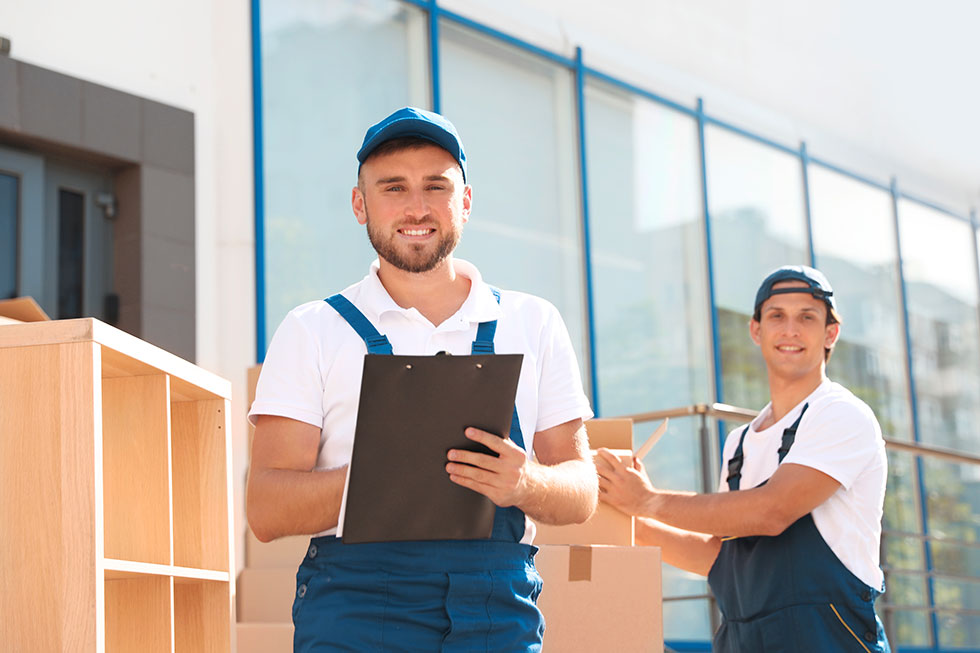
(739, 514)
(687, 550)
(282, 502)
(564, 493)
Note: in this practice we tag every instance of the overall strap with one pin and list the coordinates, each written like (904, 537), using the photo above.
(376, 343)
(485, 332)
(735, 464)
(789, 435)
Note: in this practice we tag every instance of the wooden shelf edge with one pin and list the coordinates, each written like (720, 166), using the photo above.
(115, 569)
(89, 329)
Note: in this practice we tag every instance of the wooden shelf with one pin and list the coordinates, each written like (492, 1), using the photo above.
(115, 569)
(115, 466)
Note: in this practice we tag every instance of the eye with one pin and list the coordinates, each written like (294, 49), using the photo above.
(394, 188)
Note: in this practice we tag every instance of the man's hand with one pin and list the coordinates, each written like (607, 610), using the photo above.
(626, 488)
(503, 478)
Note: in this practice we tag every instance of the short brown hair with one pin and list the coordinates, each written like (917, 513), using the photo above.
(393, 145)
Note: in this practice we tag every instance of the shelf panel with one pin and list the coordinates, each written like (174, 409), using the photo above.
(136, 470)
(137, 615)
(47, 413)
(202, 617)
(199, 438)
(116, 569)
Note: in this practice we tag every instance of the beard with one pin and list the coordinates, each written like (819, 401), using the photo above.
(415, 258)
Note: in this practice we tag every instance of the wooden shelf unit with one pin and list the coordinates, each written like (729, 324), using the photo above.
(115, 494)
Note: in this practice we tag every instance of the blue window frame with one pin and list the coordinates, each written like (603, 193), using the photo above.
(920, 458)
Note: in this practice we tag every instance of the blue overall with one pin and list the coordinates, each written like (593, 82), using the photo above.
(790, 592)
(448, 595)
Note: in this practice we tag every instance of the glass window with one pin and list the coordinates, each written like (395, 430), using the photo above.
(755, 200)
(71, 264)
(651, 302)
(516, 115)
(854, 245)
(941, 281)
(329, 71)
(8, 235)
(958, 630)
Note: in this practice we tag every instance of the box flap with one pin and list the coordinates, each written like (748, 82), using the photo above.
(22, 309)
(611, 433)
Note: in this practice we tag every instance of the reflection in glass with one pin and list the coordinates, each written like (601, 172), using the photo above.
(755, 197)
(525, 229)
(651, 318)
(863, 268)
(9, 200)
(958, 630)
(941, 280)
(329, 71)
(908, 628)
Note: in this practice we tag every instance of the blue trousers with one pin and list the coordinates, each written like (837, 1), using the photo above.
(417, 596)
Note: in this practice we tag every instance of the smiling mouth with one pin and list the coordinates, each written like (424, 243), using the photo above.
(416, 232)
(789, 348)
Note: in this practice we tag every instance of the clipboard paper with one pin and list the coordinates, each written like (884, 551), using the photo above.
(412, 411)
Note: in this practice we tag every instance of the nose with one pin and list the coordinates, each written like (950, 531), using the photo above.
(417, 206)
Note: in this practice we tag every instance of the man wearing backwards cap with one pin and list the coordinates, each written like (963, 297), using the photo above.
(790, 542)
(412, 196)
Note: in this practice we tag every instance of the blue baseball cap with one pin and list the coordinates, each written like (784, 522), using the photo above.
(817, 285)
(410, 121)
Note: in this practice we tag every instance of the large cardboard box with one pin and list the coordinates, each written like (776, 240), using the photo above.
(601, 598)
(266, 595)
(607, 525)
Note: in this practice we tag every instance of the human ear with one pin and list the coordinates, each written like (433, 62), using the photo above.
(358, 206)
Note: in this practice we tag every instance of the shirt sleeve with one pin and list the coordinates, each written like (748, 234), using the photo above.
(560, 394)
(290, 383)
(839, 439)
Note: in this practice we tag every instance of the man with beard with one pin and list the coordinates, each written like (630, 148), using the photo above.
(790, 542)
(412, 196)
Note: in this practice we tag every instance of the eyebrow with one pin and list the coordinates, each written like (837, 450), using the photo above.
(402, 178)
(777, 307)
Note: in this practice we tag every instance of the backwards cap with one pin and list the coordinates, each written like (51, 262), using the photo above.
(817, 285)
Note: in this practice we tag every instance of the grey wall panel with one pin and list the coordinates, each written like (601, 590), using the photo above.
(111, 122)
(50, 105)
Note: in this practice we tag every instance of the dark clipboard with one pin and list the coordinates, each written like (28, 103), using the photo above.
(412, 411)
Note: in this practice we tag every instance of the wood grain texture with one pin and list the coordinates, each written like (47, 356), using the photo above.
(137, 615)
(202, 617)
(48, 595)
(136, 452)
(200, 491)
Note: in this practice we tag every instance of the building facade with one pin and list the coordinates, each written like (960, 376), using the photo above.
(642, 166)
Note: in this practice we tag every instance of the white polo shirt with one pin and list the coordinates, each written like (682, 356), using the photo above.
(839, 436)
(312, 371)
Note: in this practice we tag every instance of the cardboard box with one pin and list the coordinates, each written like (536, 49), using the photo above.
(266, 595)
(284, 553)
(21, 309)
(616, 433)
(607, 525)
(601, 598)
(265, 638)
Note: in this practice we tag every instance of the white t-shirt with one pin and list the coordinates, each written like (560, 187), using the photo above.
(312, 371)
(839, 436)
